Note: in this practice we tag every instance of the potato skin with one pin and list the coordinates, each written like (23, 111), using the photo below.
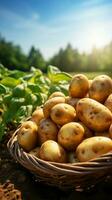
(93, 147)
(101, 88)
(56, 94)
(110, 131)
(35, 152)
(37, 115)
(108, 102)
(50, 103)
(87, 132)
(72, 101)
(70, 135)
(62, 113)
(93, 114)
(52, 151)
(47, 130)
(79, 86)
(28, 135)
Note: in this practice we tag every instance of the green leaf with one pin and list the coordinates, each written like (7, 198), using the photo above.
(17, 74)
(61, 77)
(34, 87)
(55, 75)
(30, 99)
(53, 88)
(64, 89)
(37, 72)
(6, 99)
(2, 130)
(28, 77)
(10, 82)
(10, 113)
(19, 91)
(23, 113)
(3, 89)
(52, 69)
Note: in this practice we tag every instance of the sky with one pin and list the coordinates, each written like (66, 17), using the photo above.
(52, 24)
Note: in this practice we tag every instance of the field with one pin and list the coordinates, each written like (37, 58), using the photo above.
(92, 75)
(20, 93)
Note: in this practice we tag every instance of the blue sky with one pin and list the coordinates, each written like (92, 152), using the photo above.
(51, 24)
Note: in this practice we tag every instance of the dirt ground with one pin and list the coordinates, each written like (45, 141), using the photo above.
(32, 190)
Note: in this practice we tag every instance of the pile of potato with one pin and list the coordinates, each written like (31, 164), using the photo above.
(72, 128)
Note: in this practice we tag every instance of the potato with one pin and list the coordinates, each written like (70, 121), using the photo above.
(93, 114)
(87, 132)
(28, 136)
(100, 88)
(110, 131)
(50, 103)
(93, 147)
(52, 151)
(70, 135)
(35, 152)
(90, 82)
(72, 101)
(56, 94)
(62, 113)
(37, 115)
(47, 130)
(108, 102)
(79, 86)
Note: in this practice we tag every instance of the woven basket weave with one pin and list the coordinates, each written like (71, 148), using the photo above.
(79, 175)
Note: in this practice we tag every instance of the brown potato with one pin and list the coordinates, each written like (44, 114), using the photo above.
(79, 86)
(93, 147)
(72, 101)
(47, 130)
(37, 115)
(52, 151)
(93, 114)
(27, 135)
(56, 94)
(62, 113)
(35, 152)
(87, 132)
(110, 131)
(50, 103)
(100, 88)
(70, 135)
(90, 82)
(108, 102)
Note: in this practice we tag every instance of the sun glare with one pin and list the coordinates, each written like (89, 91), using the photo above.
(96, 36)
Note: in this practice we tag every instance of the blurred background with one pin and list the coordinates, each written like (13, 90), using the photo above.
(75, 36)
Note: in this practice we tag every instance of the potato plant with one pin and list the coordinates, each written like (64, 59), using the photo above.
(21, 92)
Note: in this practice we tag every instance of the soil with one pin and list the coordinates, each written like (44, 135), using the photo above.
(30, 189)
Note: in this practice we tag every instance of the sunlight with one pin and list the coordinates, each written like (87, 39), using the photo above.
(96, 36)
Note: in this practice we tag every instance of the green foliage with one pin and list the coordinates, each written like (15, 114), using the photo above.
(20, 95)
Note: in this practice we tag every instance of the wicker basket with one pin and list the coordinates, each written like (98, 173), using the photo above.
(78, 176)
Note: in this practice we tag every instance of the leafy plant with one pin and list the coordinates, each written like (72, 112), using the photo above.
(21, 93)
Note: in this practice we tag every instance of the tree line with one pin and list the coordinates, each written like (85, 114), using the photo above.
(67, 59)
